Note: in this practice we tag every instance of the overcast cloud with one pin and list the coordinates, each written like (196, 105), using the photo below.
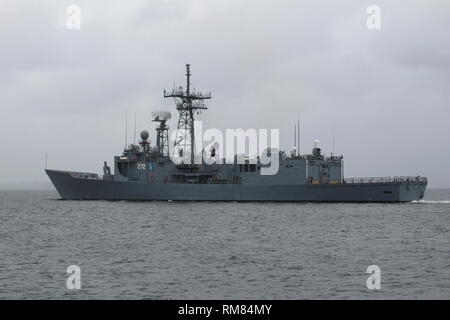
(65, 92)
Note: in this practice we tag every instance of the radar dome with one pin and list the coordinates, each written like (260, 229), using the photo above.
(144, 135)
(316, 143)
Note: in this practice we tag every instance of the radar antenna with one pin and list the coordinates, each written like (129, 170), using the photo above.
(187, 102)
(162, 132)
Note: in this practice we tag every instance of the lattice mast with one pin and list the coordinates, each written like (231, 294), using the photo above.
(162, 132)
(187, 103)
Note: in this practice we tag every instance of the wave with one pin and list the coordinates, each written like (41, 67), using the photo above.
(432, 201)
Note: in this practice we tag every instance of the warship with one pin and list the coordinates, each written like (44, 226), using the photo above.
(146, 172)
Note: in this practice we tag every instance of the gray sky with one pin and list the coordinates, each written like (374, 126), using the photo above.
(66, 92)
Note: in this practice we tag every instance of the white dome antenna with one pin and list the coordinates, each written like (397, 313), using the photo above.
(316, 143)
(316, 149)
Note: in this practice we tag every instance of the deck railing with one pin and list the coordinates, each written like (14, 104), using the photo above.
(385, 180)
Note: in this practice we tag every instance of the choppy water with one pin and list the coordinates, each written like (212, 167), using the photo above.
(161, 250)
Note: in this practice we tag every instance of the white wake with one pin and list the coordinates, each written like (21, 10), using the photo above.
(433, 201)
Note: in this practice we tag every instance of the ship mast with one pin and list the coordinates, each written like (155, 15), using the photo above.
(162, 132)
(187, 103)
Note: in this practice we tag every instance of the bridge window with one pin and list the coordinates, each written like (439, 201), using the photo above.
(248, 167)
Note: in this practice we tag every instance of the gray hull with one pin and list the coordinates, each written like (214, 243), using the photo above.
(71, 187)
